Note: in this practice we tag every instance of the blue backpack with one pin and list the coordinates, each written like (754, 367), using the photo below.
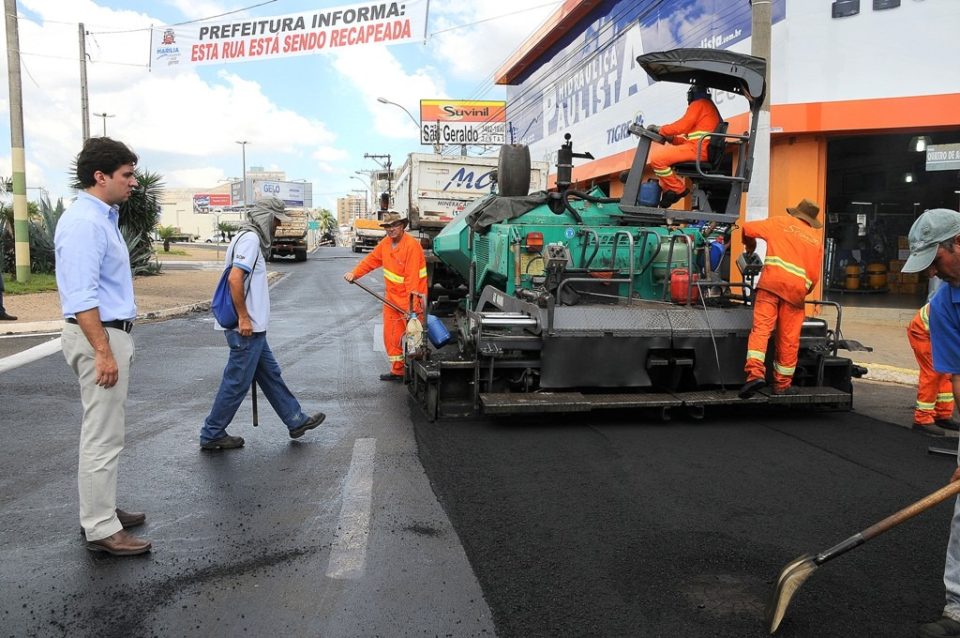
(222, 304)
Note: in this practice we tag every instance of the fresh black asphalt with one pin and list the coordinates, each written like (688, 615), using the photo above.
(607, 524)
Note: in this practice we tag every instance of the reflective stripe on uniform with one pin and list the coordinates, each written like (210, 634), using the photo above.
(925, 317)
(663, 172)
(756, 354)
(395, 358)
(922, 405)
(695, 135)
(784, 370)
(423, 272)
(392, 276)
(793, 269)
(945, 397)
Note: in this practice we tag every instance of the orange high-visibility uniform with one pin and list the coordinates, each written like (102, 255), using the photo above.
(791, 270)
(935, 390)
(404, 272)
(700, 119)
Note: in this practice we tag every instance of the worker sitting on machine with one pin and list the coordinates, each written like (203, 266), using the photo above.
(791, 270)
(700, 120)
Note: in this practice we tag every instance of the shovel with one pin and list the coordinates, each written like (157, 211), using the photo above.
(799, 570)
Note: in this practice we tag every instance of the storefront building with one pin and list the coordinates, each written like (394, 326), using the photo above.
(865, 110)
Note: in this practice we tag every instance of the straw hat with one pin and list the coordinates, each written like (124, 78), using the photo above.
(807, 211)
(392, 218)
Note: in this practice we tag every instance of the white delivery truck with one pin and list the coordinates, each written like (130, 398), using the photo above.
(431, 189)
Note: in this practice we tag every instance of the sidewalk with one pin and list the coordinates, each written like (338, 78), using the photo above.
(173, 292)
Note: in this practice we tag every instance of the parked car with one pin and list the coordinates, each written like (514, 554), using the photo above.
(216, 238)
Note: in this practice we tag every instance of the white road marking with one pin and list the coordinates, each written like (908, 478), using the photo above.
(28, 356)
(349, 552)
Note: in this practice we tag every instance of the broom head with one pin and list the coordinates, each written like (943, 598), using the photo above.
(791, 577)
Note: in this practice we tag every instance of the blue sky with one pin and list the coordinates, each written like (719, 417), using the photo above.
(312, 116)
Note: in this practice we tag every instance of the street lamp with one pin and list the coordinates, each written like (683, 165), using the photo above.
(383, 100)
(366, 189)
(104, 117)
(243, 146)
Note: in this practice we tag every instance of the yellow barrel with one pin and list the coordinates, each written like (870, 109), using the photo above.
(877, 276)
(853, 276)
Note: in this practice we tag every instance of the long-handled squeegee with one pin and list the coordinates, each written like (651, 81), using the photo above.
(414, 329)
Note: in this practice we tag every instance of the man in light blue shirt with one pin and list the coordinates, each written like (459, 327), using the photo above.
(96, 296)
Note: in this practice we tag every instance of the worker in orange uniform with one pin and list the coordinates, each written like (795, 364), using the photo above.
(700, 120)
(790, 271)
(934, 411)
(404, 272)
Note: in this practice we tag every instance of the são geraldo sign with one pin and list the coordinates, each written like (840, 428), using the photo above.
(289, 35)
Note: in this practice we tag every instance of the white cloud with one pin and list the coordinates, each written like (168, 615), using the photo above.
(376, 72)
(497, 29)
(181, 125)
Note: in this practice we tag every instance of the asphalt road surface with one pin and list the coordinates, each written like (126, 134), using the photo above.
(380, 523)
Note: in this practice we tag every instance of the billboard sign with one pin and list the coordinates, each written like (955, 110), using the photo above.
(590, 85)
(203, 202)
(290, 192)
(262, 38)
(463, 121)
(943, 157)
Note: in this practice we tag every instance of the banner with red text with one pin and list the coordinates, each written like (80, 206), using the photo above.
(217, 42)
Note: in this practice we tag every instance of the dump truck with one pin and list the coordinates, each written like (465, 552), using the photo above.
(431, 190)
(367, 233)
(290, 237)
(577, 301)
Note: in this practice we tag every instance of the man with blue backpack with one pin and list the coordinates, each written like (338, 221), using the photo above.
(250, 356)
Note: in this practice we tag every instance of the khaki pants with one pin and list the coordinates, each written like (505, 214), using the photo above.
(102, 429)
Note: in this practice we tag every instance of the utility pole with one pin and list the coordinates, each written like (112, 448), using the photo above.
(84, 105)
(758, 197)
(243, 147)
(21, 226)
(387, 166)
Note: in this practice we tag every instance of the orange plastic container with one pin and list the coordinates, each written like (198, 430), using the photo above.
(680, 286)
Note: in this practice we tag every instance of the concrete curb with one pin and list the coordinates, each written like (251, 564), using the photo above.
(890, 374)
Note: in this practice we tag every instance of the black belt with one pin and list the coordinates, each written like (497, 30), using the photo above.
(119, 324)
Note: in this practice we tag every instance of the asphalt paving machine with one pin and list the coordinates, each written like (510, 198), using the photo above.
(577, 301)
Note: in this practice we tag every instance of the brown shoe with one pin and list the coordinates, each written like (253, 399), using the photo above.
(128, 519)
(120, 544)
(131, 519)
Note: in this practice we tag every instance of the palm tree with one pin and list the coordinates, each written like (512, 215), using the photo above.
(166, 233)
(328, 223)
(138, 217)
(227, 229)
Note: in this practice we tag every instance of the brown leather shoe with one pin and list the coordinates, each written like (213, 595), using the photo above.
(131, 519)
(120, 544)
(128, 519)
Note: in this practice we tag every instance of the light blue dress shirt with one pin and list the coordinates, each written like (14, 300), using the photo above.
(93, 265)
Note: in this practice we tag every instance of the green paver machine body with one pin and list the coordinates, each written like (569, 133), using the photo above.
(577, 301)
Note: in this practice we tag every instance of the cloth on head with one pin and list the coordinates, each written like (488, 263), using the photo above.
(260, 220)
(932, 227)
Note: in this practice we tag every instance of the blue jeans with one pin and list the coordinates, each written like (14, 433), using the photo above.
(250, 358)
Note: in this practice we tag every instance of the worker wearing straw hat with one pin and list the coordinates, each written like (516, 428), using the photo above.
(404, 272)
